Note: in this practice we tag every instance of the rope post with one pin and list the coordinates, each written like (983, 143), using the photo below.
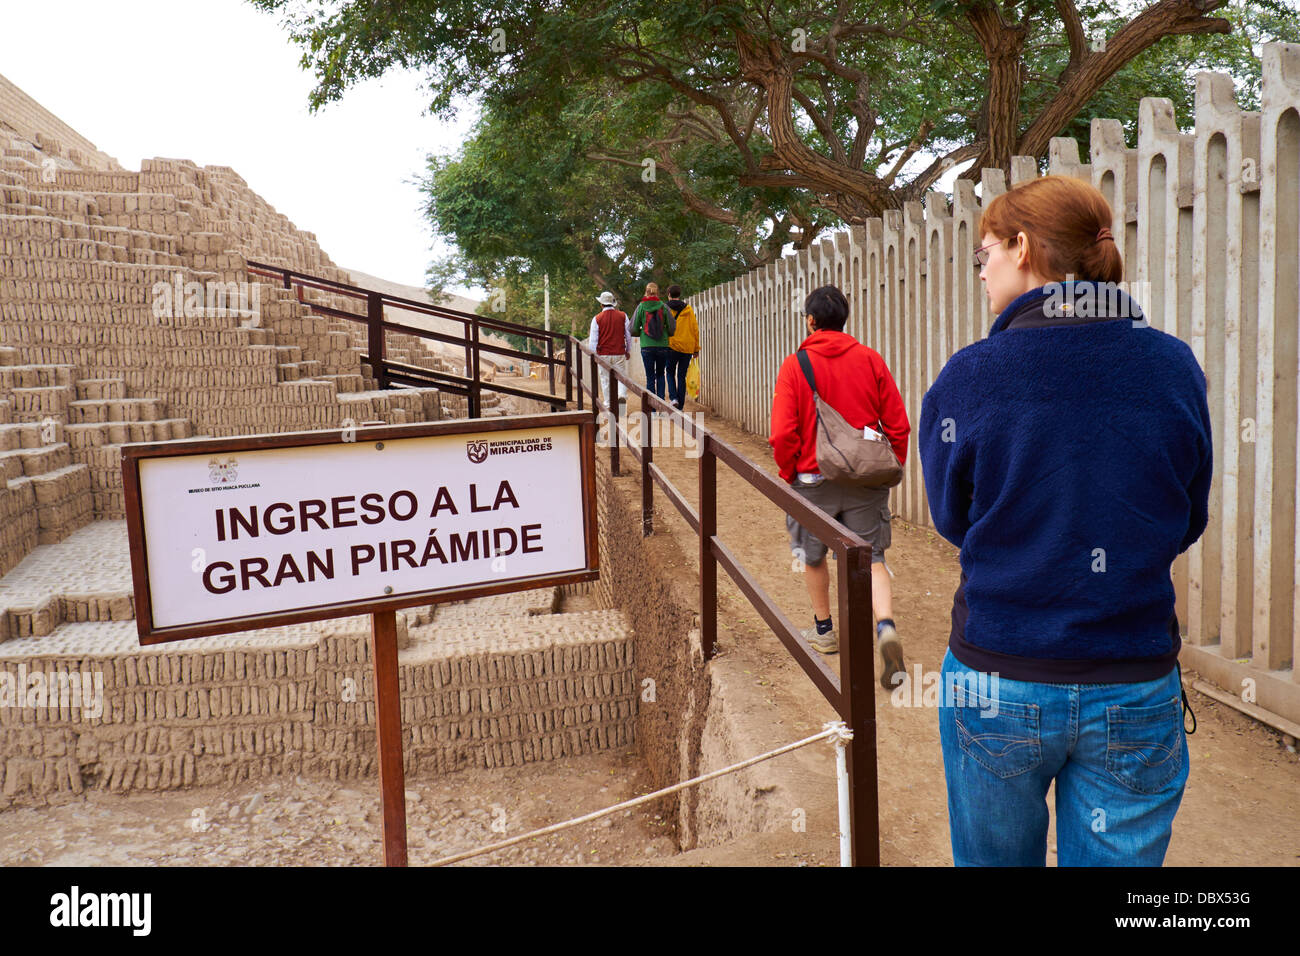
(858, 699)
(841, 738)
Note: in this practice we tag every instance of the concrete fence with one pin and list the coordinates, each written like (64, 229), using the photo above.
(1209, 226)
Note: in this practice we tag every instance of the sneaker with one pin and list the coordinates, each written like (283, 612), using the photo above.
(891, 656)
(825, 643)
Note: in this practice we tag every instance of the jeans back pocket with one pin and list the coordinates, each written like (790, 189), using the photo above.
(1000, 735)
(1144, 745)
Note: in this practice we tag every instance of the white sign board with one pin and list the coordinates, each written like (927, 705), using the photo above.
(267, 530)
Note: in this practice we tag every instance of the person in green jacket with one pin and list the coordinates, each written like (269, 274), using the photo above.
(653, 315)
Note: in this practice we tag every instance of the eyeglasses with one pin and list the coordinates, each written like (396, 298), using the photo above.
(982, 257)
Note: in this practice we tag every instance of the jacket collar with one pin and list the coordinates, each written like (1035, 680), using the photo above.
(1078, 302)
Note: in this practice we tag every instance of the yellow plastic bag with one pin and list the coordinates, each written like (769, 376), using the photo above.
(693, 379)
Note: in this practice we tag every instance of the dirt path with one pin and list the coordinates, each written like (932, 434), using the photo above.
(1241, 806)
(312, 822)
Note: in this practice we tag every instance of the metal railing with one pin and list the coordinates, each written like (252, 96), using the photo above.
(389, 373)
(851, 693)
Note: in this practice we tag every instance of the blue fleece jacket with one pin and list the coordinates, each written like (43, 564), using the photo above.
(1069, 457)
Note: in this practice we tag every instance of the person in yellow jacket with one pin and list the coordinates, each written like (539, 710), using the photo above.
(684, 344)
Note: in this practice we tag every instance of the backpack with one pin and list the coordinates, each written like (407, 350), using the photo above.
(844, 455)
(654, 322)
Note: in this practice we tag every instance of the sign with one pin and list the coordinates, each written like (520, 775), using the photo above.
(258, 531)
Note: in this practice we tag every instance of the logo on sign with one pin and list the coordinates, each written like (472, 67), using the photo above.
(477, 451)
(222, 470)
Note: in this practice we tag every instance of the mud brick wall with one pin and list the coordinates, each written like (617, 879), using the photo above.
(537, 689)
(85, 247)
(51, 133)
(661, 606)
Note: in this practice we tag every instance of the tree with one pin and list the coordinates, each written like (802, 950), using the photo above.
(522, 200)
(802, 95)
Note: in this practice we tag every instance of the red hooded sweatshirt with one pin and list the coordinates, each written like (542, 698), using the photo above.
(853, 379)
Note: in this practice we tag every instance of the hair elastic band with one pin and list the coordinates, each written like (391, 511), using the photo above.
(1104, 233)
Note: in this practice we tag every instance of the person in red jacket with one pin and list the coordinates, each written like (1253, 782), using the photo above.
(854, 380)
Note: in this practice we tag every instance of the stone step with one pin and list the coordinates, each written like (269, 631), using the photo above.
(44, 617)
(134, 239)
(116, 410)
(62, 500)
(99, 434)
(36, 376)
(345, 382)
(93, 388)
(38, 404)
(34, 461)
(30, 434)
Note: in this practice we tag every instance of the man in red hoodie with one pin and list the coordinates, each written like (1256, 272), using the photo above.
(854, 380)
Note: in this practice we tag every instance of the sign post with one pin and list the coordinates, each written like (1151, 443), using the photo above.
(232, 534)
(388, 724)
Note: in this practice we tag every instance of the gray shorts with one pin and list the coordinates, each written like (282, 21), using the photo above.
(864, 510)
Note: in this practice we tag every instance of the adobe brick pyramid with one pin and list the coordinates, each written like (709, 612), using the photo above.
(86, 365)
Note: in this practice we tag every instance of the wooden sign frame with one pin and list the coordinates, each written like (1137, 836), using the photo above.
(383, 611)
(133, 454)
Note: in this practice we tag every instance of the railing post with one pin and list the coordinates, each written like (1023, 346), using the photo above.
(375, 337)
(611, 410)
(550, 363)
(568, 371)
(475, 388)
(858, 699)
(576, 360)
(708, 564)
(647, 484)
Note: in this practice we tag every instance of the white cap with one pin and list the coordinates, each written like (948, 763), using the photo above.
(607, 298)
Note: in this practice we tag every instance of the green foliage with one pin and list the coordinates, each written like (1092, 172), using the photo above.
(575, 94)
(520, 201)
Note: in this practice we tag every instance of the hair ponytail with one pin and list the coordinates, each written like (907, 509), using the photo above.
(1068, 224)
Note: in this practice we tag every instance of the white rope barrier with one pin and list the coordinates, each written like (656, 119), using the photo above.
(835, 729)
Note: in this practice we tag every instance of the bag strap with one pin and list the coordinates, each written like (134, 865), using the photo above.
(806, 364)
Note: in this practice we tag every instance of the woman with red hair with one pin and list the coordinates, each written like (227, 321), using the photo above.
(1068, 455)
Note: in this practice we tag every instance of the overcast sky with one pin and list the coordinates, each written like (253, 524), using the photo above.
(218, 83)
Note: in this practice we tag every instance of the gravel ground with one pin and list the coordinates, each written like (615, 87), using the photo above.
(338, 823)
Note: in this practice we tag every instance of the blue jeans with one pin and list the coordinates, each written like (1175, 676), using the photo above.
(1117, 752)
(678, 364)
(655, 359)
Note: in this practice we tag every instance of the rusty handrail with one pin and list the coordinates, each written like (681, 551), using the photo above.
(388, 373)
(853, 694)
